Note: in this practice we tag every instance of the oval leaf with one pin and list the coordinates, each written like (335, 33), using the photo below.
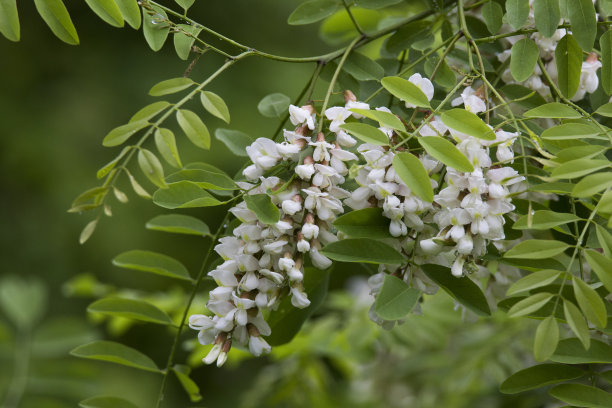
(263, 207)
(384, 119)
(362, 250)
(590, 303)
(412, 172)
(570, 131)
(362, 68)
(115, 353)
(366, 133)
(578, 168)
(151, 167)
(544, 219)
(582, 395)
(406, 91)
(215, 105)
(529, 305)
(130, 309)
(536, 249)
(553, 110)
(184, 39)
(153, 262)
(395, 299)
(121, 134)
(179, 224)
(546, 339)
(583, 21)
(517, 12)
(274, 105)
(166, 145)
(468, 123)
(155, 27)
(149, 111)
(446, 152)
(9, 20)
(364, 223)
(605, 42)
(602, 266)
(523, 59)
(170, 86)
(568, 57)
(57, 18)
(547, 16)
(539, 376)
(532, 281)
(130, 12)
(576, 322)
(107, 10)
(571, 351)
(592, 184)
(194, 128)
(235, 140)
(492, 14)
(204, 179)
(312, 11)
(184, 194)
(106, 402)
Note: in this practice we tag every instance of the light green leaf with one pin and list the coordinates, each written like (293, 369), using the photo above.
(464, 290)
(605, 109)
(215, 105)
(170, 86)
(155, 27)
(57, 18)
(468, 123)
(376, 4)
(184, 194)
(536, 249)
(395, 299)
(190, 387)
(131, 309)
(366, 133)
(492, 14)
(539, 376)
(570, 131)
(274, 105)
(592, 184)
(407, 36)
(149, 111)
(602, 266)
(546, 339)
(364, 223)
(88, 231)
(547, 16)
(553, 110)
(179, 224)
(194, 128)
(106, 402)
(576, 322)
(384, 119)
(412, 172)
(138, 189)
(362, 250)
(166, 145)
(544, 219)
(590, 303)
(235, 140)
(9, 20)
(446, 152)
(571, 351)
(529, 305)
(578, 168)
(605, 240)
(95, 194)
(22, 301)
(533, 280)
(153, 262)
(184, 39)
(582, 395)
(185, 3)
(583, 21)
(605, 43)
(115, 353)
(568, 57)
(107, 10)
(523, 59)
(556, 187)
(204, 179)
(130, 12)
(312, 11)
(517, 12)
(151, 167)
(362, 68)
(121, 134)
(406, 91)
(263, 207)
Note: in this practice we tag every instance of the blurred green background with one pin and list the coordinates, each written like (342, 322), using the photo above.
(56, 104)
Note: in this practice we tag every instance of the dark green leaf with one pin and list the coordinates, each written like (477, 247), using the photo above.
(582, 395)
(106, 402)
(568, 57)
(407, 35)
(184, 194)
(107, 10)
(363, 68)
(412, 172)
(263, 207)
(468, 123)
(571, 351)
(395, 299)
(523, 59)
(492, 14)
(312, 11)
(179, 224)
(362, 250)
(517, 12)
(539, 376)
(544, 219)
(364, 223)
(547, 16)
(115, 353)
(57, 18)
(130, 309)
(235, 140)
(605, 42)
(583, 22)
(152, 262)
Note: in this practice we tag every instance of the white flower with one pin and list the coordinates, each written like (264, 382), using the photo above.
(300, 116)
(434, 127)
(252, 172)
(337, 115)
(200, 322)
(295, 275)
(344, 139)
(325, 205)
(472, 102)
(424, 85)
(291, 207)
(303, 246)
(299, 298)
(264, 153)
(286, 264)
(321, 150)
(319, 260)
(310, 231)
(430, 247)
(273, 276)
(305, 171)
(356, 105)
(457, 268)
(258, 346)
(288, 150)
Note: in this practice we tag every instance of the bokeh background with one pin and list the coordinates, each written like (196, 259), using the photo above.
(56, 104)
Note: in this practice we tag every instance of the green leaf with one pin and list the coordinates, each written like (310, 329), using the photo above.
(9, 20)
(523, 59)
(592, 184)
(106, 402)
(107, 10)
(517, 12)
(492, 14)
(605, 43)
(463, 290)
(115, 353)
(263, 207)
(184, 39)
(151, 167)
(571, 351)
(406, 91)
(568, 57)
(395, 299)
(121, 134)
(170, 86)
(547, 16)
(446, 152)
(582, 395)
(468, 123)
(88, 231)
(185, 4)
(362, 250)
(376, 4)
(543, 220)
(153, 262)
(312, 11)
(22, 301)
(556, 187)
(362, 68)
(407, 36)
(384, 119)
(287, 319)
(578, 168)
(184, 194)
(605, 110)
(130, 309)
(215, 105)
(366, 133)
(179, 224)
(539, 376)
(536, 249)
(274, 105)
(190, 387)
(149, 111)
(570, 131)
(235, 140)
(194, 128)
(583, 22)
(546, 339)
(364, 223)
(445, 76)
(553, 110)
(533, 280)
(590, 303)
(130, 12)
(605, 240)
(138, 189)
(204, 179)
(412, 172)
(602, 266)
(530, 304)
(57, 18)
(155, 27)
(577, 322)
(166, 145)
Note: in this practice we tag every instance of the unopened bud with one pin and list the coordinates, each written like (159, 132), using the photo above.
(349, 96)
